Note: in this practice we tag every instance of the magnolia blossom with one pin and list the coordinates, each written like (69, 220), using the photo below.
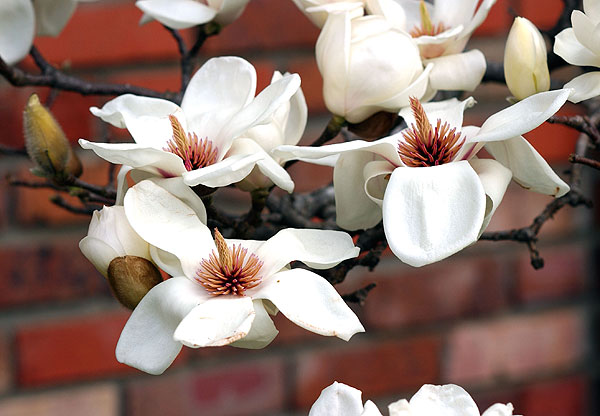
(319, 16)
(366, 64)
(196, 141)
(441, 30)
(285, 127)
(223, 291)
(525, 63)
(580, 45)
(434, 195)
(182, 14)
(449, 399)
(21, 20)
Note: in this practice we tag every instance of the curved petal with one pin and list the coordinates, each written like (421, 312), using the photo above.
(220, 320)
(431, 213)
(522, 117)
(529, 169)
(17, 23)
(454, 13)
(450, 111)
(417, 88)
(52, 16)
(137, 156)
(309, 301)
(261, 333)
(447, 400)
(166, 261)
(296, 120)
(390, 9)
(180, 14)
(98, 253)
(230, 10)
(376, 176)
(122, 185)
(370, 409)
(166, 222)
(217, 91)
(571, 50)
(338, 400)
(457, 72)
(584, 30)
(495, 179)
(499, 409)
(176, 187)
(230, 170)
(146, 342)
(399, 408)
(584, 87)
(592, 9)
(319, 249)
(146, 118)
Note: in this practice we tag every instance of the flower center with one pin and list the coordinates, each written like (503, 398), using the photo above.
(195, 153)
(229, 271)
(425, 145)
(427, 27)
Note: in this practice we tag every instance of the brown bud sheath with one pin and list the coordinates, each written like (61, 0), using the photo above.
(131, 277)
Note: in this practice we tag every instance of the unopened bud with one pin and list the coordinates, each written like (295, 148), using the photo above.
(378, 125)
(46, 143)
(131, 277)
(525, 61)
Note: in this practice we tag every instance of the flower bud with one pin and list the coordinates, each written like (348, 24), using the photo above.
(110, 236)
(131, 277)
(525, 63)
(46, 143)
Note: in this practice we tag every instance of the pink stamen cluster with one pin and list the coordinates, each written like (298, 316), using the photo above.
(425, 145)
(422, 30)
(229, 271)
(195, 153)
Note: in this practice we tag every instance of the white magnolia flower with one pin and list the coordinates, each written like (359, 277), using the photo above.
(319, 16)
(441, 30)
(525, 62)
(182, 14)
(580, 45)
(434, 195)
(21, 20)
(195, 141)
(286, 127)
(447, 400)
(366, 64)
(224, 290)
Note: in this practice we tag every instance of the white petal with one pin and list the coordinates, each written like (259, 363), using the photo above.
(230, 10)
(454, 12)
(495, 178)
(17, 23)
(166, 261)
(370, 409)
(146, 342)
(319, 249)
(309, 301)
(584, 87)
(176, 187)
(166, 222)
(98, 253)
(390, 9)
(122, 184)
(447, 400)
(219, 321)
(522, 117)
(417, 88)
(400, 408)
(449, 111)
(431, 213)
(584, 30)
(146, 118)
(592, 9)
(230, 170)
(297, 117)
(458, 72)
(499, 409)
(529, 169)
(338, 400)
(52, 16)
(180, 14)
(571, 50)
(217, 91)
(261, 333)
(377, 174)
(137, 156)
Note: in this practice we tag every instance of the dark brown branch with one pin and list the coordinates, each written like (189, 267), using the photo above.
(332, 129)
(582, 124)
(573, 158)
(59, 201)
(359, 296)
(5, 150)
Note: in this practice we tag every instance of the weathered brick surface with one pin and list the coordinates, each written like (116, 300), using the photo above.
(515, 347)
(5, 363)
(377, 368)
(98, 400)
(254, 388)
(566, 397)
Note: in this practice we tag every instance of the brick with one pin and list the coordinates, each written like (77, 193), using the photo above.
(498, 20)
(448, 290)
(112, 23)
(377, 368)
(565, 397)
(255, 388)
(81, 348)
(563, 275)
(99, 400)
(515, 347)
(5, 363)
(312, 83)
(543, 17)
(47, 273)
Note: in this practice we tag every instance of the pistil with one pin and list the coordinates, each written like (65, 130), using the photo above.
(427, 27)
(195, 153)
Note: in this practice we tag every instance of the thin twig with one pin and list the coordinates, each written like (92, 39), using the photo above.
(573, 158)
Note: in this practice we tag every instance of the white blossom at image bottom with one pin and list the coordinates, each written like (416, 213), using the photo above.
(447, 400)
(223, 291)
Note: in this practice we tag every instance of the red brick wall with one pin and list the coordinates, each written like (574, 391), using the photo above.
(483, 319)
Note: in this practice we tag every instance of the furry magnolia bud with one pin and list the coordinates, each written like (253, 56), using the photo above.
(46, 143)
(131, 277)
